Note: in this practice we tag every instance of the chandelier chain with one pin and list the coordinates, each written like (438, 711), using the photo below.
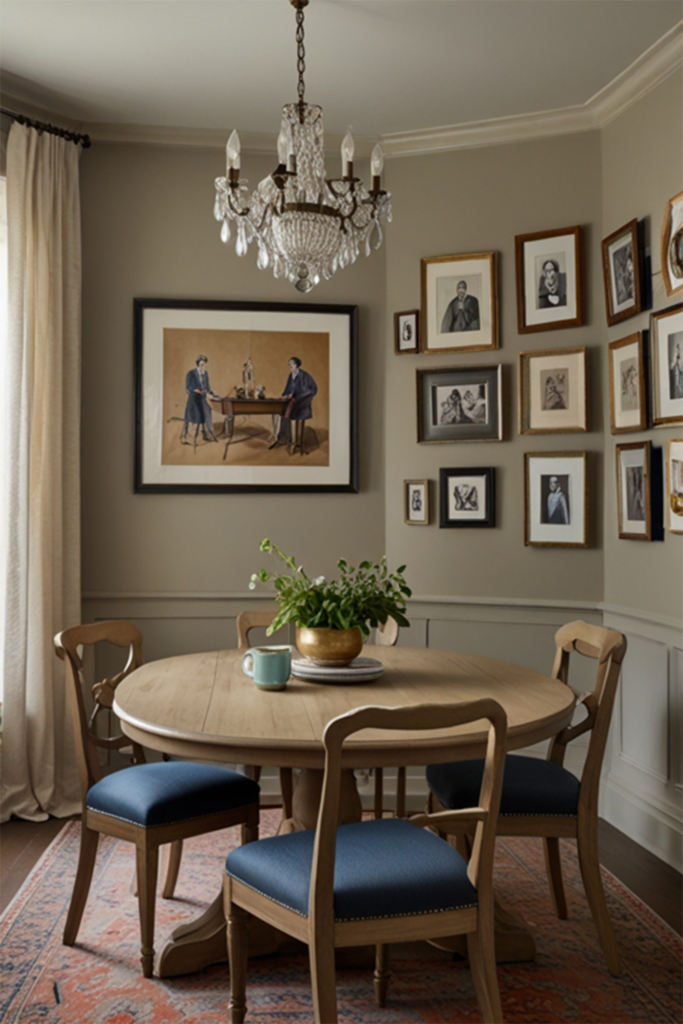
(301, 52)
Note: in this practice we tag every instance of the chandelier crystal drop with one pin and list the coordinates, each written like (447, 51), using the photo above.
(306, 226)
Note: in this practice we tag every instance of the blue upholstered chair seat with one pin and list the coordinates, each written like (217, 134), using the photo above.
(383, 868)
(169, 792)
(530, 786)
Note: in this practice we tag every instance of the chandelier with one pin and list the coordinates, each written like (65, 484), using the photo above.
(306, 226)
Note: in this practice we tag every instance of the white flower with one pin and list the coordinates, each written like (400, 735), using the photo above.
(319, 581)
(252, 585)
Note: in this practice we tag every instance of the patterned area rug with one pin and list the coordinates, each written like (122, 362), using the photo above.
(99, 981)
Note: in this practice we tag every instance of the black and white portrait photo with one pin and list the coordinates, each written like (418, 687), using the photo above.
(552, 281)
(635, 494)
(623, 273)
(466, 498)
(416, 502)
(406, 332)
(554, 389)
(555, 499)
(463, 404)
(628, 385)
(675, 344)
(459, 311)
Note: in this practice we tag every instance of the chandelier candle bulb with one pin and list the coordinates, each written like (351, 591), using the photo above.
(232, 151)
(347, 151)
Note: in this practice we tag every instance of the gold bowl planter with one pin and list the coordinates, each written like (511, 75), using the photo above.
(331, 647)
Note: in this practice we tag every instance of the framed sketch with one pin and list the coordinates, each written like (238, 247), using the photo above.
(553, 391)
(459, 303)
(467, 497)
(634, 490)
(672, 245)
(406, 332)
(459, 404)
(548, 280)
(674, 485)
(245, 396)
(555, 499)
(627, 392)
(416, 502)
(621, 273)
(666, 364)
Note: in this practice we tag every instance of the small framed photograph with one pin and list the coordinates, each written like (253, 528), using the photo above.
(672, 245)
(621, 273)
(555, 499)
(634, 490)
(548, 280)
(406, 332)
(467, 497)
(627, 392)
(459, 303)
(674, 485)
(553, 391)
(666, 361)
(416, 502)
(459, 405)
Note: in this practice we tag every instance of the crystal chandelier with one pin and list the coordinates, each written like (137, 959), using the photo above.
(306, 226)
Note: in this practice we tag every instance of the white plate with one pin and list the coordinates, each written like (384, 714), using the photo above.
(362, 670)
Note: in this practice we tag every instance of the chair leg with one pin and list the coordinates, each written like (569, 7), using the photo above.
(173, 857)
(286, 788)
(401, 793)
(147, 861)
(382, 974)
(86, 864)
(238, 938)
(587, 842)
(323, 979)
(379, 792)
(553, 866)
(481, 955)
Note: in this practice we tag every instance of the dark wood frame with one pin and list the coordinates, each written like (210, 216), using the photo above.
(525, 361)
(491, 259)
(632, 339)
(350, 484)
(628, 229)
(657, 419)
(406, 509)
(489, 519)
(646, 448)
(415, 347)
(552, 325)
(454, 376)
(585, 542)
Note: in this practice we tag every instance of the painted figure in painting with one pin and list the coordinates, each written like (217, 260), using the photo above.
(466, 498)
(624, 278)
(462, 312)
(555, 392)
(635, 493)
(299, 391)
(552, 290)
(558, 509)
(629, 385)
(469, 407)
(676, 372)
(416, 501)
(197, 409)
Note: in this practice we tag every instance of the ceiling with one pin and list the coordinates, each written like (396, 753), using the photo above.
(382, 66)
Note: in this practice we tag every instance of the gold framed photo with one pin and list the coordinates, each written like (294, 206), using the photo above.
(460, 303)
(555, 499)
(416, 502)
(553, 391)
(674, 485)
(627, 391)
(548, 265)
(666, 362)
(621, 273)
(672, 245)
(634, 491)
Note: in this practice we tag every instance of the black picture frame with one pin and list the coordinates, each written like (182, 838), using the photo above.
(467, 497)
(464, 422)
(170, 455)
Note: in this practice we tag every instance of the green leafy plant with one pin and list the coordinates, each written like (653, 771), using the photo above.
(364, 596)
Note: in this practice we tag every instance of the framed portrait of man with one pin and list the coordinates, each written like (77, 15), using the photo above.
(553, 391)
(459, 303)
(555, 499)
(548, 265)
(621, 270)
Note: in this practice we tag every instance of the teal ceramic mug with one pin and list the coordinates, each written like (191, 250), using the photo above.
(269, 667)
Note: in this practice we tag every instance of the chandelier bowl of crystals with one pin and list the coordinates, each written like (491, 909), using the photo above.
(306, 226)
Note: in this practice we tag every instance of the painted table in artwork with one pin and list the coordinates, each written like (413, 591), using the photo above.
(232, 407)
(203, 706)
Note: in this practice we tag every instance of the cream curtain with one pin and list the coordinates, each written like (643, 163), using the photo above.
(41, 512)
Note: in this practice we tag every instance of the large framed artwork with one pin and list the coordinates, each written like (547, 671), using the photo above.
(555, 499)
(459, 404)
(548, 265)
(621, 273)
(244, 396)
(666, 362)
(553, 391)
(459, 303)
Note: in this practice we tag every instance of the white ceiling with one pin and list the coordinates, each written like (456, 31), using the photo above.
(383, 66)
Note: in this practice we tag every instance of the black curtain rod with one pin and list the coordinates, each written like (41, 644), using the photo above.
(83, 140)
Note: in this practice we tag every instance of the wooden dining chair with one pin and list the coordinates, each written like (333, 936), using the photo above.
(544, 799)
(246, 621)
(149, 805)
(374, 881)
(386, 635)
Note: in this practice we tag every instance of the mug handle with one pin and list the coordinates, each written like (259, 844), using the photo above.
(248, 671)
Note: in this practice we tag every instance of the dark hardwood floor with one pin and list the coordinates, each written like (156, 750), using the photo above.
(657, 884)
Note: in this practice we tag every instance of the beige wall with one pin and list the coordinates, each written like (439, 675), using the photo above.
(474, 201)
(642, 157)
(148, 231)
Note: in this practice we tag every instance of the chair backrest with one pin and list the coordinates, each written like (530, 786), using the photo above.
(386, 633)
(67, 644)
(607, 647)
(414, 718)
(247, 621)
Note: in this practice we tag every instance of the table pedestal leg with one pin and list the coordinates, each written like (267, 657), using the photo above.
(306, 801)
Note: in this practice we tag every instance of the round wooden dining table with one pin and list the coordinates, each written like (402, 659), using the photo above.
(203, 706)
